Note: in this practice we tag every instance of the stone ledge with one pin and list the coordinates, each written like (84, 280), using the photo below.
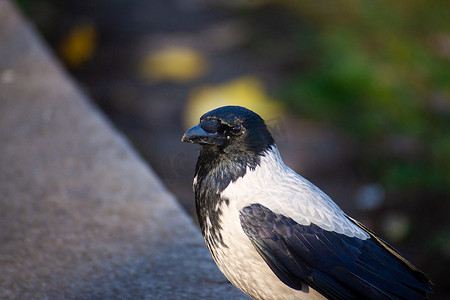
(81, 215)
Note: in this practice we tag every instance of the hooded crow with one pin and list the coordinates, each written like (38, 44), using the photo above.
(277, 236)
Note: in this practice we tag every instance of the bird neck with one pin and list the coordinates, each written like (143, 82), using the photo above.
(215, 170)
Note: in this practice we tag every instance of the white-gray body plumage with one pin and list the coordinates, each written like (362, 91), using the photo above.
(283, 191)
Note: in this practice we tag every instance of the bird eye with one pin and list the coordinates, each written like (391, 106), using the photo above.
(236, 130)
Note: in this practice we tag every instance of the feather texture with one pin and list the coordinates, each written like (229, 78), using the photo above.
(283, 191)
(339, 266)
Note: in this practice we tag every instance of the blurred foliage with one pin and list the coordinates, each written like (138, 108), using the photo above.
(173, 63)
(246, 91)
(380, 70)
(79, 44)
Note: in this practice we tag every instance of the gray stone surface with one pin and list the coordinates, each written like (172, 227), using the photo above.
(81, 215)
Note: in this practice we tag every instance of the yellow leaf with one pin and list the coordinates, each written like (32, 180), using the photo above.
(246, 91)
(79, 45)
(173, 63)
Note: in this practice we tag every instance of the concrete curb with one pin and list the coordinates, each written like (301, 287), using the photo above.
(81, 215)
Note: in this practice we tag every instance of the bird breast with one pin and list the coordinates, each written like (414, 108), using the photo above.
(239, 261)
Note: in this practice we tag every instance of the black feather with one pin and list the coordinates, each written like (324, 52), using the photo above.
(338, 266)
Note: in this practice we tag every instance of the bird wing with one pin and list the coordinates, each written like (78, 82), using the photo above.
(334, 264)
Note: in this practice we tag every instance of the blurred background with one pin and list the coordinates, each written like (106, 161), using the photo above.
(356, 94)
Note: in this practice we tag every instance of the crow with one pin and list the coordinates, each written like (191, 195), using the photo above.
(273, 233)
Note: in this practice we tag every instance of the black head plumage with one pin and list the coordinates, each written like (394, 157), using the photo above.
(242, 130)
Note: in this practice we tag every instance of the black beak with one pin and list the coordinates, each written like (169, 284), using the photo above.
(198, 135)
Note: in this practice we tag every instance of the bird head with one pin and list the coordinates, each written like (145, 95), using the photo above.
(231, 130)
